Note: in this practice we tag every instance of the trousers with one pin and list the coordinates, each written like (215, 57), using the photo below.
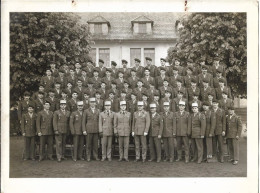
(233, 147)
(43, 140)
(78, 143)
(207, 143)
(218, 145)
(155, 147)
(142, 139)
(168, 144)
(123, 146)
(197, 146)
(106, 146)
(185, 141)
(60, 140)
(29, 147)
(92, 145)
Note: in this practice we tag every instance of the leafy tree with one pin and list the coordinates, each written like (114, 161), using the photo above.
(36, 40)
(215, 34)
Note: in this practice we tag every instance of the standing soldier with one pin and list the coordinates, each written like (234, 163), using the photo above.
(106, 122)
(133, 79)
(76, 131)
(125, 70)
(169, 132)
(48, 80)
(234, 128)
(61, 128)
(45, 130)
(114, 70)
(90, 129)
(23, 105)
(140, 129)
(122, 129)
(39, 102)
(155, 134)
(198, 126)
(219, 119)
(28, 124)
(183, 130)
(52, 100)
(102, 68)
(139, 69)
(72, 104)
(153, 69)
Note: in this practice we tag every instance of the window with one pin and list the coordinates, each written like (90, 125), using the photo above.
(98, 28)
(134, 53)
(142, 28)
(92, 54)
(149, 52)
(104, 54)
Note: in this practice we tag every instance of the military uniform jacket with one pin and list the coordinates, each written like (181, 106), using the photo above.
(219, 120)
(209, 123)
(55, 72)
(204, 93)
(154, 72)
(62, 80)
(133, 82)
(139, 71)
(198, 125)
(108, 81)
(106, 123)
(198, 102)
(72, 79)
(97, 82)
(182, 123)
(120, 83)
(38, 105)
(61, 121)
(225, 104)
(114, 73)
(86, 104)
(163, 89)
(23, 108)
(91, 91)
(159, 81)
(176, 104)
(78, 72)
(219, 92)
(53, 103)
(102, 72)
(90, 121)
(187, 80)
(103, 93)
(89, 71)
(126, 72)
(132, 106)
(216, 82)
(221, 67)
(114, 104)
(207, 76)
(128, 93)
(173, 79)
(76, 123)
(44, 123)
(72, 105)
(146, 81)
(169, 128)
(48, 82)
(28, 125)
(122, 123)
(156, 125)
(176, 90)
(172, 105)
(191, 92)
(141, 122)
(234, 126)
(80, 92)
(85, 81)
(139, 91)
(100, 104)
(57, 93)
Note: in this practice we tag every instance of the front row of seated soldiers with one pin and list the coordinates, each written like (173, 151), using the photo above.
(206, 129)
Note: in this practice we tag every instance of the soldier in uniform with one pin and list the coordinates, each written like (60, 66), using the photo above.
(78, 69)
(52, 99)
(133, 79)
(90, 88)
(125, 70)
(96, 79)
(89, 69)
(139, 69)
(205, 75)
(61, 128)
(86, 102)
(122, 130)
(159, 79)
(219, 120)
(127, 90)
(106, 126)
(53, 69)
(198, 127)
(113, 100)
(48, 80)
(217, 78)
(99, 101)
(84, 78)
(221, 89)
(140, 129)
(206, 89)
(69, 89)
(28, 126)
(234, 128)
(193, 89)
(217, 67)
(175, 76)
(57, 90)
(76, 131)
(133, 103)
(155, 134)
(120, 80)
(90, 129)
(165, 88)
(39, 102)
(152, 68)
(169, 132)
(182, 123)
(139, 90)
(79, 88)
(167, 98)
(72, 104)
(45, 130)
(102, 68)
(72, 77)
(114, 70)
(225, 102)
(23, 105)
(147, 78)
(108, 78)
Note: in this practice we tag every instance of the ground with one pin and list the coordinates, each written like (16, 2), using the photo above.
(83, 169)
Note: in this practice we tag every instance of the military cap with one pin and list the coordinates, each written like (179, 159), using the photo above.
(111, 92)
(204, 67)
(108, 70)
(102, 61)
(64, 91)
(146, 69)
(41, 85)
(74, 91)
(177, 59)
(175, 68)
(122, 102)
(215, 101)
(69, 81)
(140, 103)
(120, 71)
(51, 90)
(179, 80)
(195, 94)
(231, 108)
(31, 105)
(124, 61)
(126, 82)
(84, 70)
(80, 79)
(92, 99)
(89, 61)
(162, 68)
(145, 93)
(166, 79)
(63, 102)
(46, 101)
(57, 82)
(205, 80)
(96, 69)
(71, 67)
(221, 80)
(79, 103)
(216, 58)
(202, 59)
(219, 70)
(133, 69)
(40, 92)
(123, 91)
(113, 63)
(156, 93)
(163, 59)
(167, 91)
(48, 69)
(86, 92)
(190, 68)
(166, 104)
(107, 103)
(225, 92)
(134, 93)
(194, 105)
(210, 93)
(103, 81)
(148, 58)
(190, 60)
(180, 92)
(61, 70)
(97, 92)
(193, 80)
(137, 60)
(140, 80)
(26, 93)
(151, 82)
(77, 64)
(90, 82)
(113, 82)
(152, 105)
(182, 103)
(206, 103)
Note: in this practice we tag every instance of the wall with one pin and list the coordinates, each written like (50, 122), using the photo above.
(121, 49)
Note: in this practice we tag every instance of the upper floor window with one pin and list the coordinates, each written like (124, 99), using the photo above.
(142, 25)
(98, 25)
(98, 28)
(142, 28)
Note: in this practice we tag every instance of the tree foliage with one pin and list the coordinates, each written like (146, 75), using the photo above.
(36, 40)
(215, 34)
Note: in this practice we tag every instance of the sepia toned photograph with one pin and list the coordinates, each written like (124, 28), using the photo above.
(128, 94)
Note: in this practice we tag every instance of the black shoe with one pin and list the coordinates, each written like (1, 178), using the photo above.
(177, 160)
(137, 160)
(150, 160)
(120, 160)
(235, 162)
(82, 159)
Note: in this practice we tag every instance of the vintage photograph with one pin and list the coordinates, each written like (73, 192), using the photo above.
(128, 94)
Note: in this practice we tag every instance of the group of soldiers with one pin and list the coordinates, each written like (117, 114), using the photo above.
(179, 107)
